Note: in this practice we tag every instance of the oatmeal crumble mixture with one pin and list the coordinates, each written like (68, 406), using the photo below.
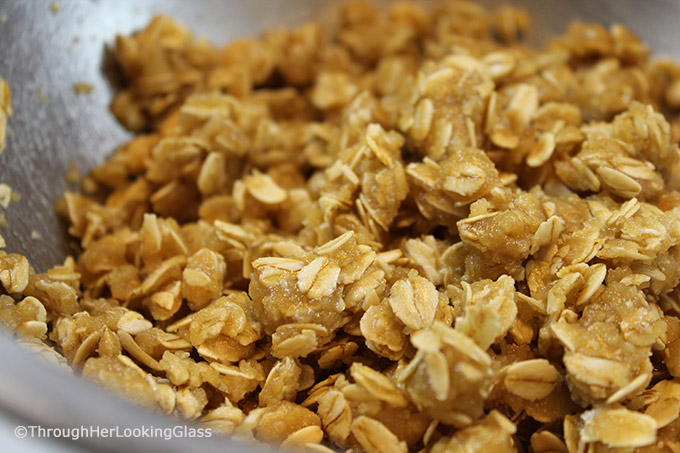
(409, 233)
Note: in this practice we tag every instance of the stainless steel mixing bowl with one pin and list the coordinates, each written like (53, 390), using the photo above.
(43, 53)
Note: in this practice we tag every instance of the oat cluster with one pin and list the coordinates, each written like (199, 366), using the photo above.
(405, 232)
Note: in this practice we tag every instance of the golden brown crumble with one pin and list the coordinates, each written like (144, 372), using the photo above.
(408, 233)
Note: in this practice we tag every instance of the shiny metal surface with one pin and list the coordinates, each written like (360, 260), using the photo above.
(44, 53)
